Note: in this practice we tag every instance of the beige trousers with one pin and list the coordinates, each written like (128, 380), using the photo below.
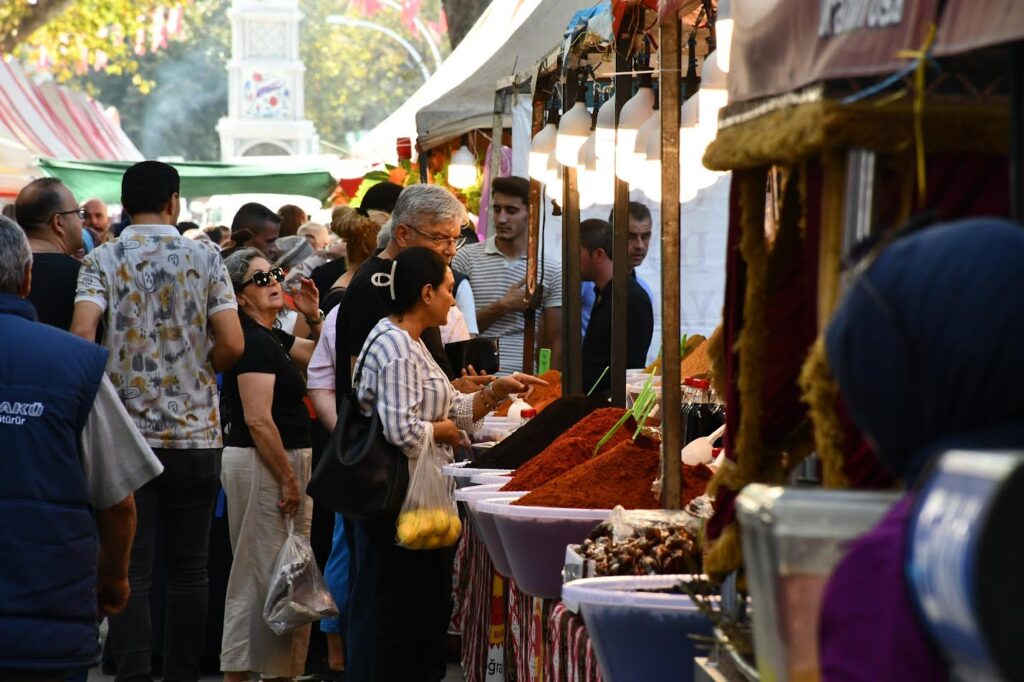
(258, 532)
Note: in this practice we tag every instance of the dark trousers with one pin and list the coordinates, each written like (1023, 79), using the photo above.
(399, 607)
(175, 510)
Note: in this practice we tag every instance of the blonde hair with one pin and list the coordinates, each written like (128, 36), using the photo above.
(358, 230)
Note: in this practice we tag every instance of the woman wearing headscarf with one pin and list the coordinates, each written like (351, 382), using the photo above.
(925, 348)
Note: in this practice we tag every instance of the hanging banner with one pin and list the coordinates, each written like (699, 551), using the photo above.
(782, 45)
(967, 26)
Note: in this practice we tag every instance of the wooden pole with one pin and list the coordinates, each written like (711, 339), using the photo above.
(572, 321)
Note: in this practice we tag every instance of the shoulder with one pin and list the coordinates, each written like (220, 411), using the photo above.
(465, 257)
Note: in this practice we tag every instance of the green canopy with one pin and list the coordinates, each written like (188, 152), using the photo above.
(102, 179)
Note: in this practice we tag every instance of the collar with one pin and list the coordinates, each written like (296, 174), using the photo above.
(155, 230)
(16, 305)
(491, 248)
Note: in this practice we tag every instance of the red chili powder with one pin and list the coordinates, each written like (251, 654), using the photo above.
(570, 449)
(620, 476)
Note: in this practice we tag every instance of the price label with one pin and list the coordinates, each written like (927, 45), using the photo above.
(544, 360)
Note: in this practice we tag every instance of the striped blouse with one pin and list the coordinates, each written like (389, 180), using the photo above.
(409, 390)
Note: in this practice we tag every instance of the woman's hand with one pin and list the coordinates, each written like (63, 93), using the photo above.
(471, 381)
(517, 382)
(307, 298)
(289, 504)
(446, 431)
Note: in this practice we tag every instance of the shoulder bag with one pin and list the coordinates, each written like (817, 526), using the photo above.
(360, 474)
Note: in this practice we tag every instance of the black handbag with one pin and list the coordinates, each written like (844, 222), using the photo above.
(482, 353)
(360, 474)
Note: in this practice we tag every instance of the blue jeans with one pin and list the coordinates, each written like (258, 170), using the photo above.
(174, 509)
(336, 575)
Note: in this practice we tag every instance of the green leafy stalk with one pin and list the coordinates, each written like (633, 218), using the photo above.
(598, 382)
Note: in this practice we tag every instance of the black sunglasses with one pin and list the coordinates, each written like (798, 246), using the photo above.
(263, 279)
(80, 212)
(457, 242)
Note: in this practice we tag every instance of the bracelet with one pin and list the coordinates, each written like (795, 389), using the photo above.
(313, 321)
(494, 400)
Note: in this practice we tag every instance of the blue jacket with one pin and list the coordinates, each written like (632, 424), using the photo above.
(48, 382)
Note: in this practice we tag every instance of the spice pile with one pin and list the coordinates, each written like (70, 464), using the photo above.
(534, 436)
(574, 447)
(651, 550)
(620, 476)
(539, 397)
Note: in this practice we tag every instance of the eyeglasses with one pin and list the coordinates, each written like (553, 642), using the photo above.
(263, 279)
(81, 212)
(457, 242)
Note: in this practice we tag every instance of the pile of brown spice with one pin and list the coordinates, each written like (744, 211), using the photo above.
(620, 476)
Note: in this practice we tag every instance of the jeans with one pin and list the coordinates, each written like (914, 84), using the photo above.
(175, 509)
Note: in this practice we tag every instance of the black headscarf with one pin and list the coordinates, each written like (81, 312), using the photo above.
(928, 344)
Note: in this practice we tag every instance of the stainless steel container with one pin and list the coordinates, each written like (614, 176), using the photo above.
(792, 539)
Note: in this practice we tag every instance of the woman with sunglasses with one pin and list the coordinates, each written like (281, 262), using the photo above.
(266, 464)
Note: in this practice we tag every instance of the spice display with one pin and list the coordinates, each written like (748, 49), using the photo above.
(539, 397)
(559, 457)
(537, 434)
(693, 341)
(649, 550)
(697, 363)
(595, 426)
(620, 476)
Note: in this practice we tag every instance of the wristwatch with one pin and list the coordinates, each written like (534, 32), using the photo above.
(319, 319)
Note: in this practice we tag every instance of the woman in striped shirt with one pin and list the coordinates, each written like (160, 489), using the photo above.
(401, 600)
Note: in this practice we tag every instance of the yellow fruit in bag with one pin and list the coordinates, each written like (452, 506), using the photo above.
(441, 521)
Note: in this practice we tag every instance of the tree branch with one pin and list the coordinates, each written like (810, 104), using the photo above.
(32, 18)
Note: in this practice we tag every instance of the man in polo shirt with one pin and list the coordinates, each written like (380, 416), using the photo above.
(497, 272)
(596, 266)
(171, 322)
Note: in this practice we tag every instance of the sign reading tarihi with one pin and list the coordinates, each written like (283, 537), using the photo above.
(845, 16)
(780, 46)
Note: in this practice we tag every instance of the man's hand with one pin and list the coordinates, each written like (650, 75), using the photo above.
(112, 593)
(471, 381)
(514, 301)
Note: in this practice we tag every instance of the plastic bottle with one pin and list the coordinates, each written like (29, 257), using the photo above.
(515, 410)
(526, 415)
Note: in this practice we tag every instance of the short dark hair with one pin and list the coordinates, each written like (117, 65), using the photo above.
(292, 217)
(36, 203)
(214, 233)
(415, 268)
(637, 212)
(186, 225)
(253, 217)
(596, 234)
(147, 187)
(381, 197)
(512, 186)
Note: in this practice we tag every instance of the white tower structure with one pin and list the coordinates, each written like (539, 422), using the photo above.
(266, 96)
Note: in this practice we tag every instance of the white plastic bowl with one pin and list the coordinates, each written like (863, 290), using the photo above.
(469, 495)
(534, 540)
(626, 626)
(488, 479)
(463, 473)
(488, 527)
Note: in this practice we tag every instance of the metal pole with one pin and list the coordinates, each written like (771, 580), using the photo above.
(572, 320)
(671, 428)
(497, 127)
(533, 240)
(620, 222)
(1016, 135)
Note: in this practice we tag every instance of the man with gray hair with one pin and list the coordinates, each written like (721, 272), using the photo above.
(72, 459)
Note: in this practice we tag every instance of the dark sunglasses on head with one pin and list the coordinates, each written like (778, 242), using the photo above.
(263, 279)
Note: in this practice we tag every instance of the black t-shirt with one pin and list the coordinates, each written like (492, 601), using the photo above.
(266, 352)
(54, 281)
(597, 342)
(327, 274)
(363, 306)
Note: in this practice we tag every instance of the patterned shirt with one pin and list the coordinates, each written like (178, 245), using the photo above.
(492, 274)
(409, 390)
(157, 291)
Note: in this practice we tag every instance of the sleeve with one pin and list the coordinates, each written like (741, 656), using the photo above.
(220, 295)
(260, 356)
(399, 396)
(321, 372)
(287, 340)
(552, 284)
(461, 412)
(92, 283)
(115, 457)
(640, 328)
(466, 302)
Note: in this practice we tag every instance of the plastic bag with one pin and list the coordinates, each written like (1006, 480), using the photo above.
(428, 518)
(298, 594)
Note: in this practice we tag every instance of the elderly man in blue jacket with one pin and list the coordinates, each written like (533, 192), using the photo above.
(71, 458)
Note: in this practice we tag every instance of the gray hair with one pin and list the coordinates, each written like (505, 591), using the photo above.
(384, 236)
(15, 256)
(238, 264)
(422, 205)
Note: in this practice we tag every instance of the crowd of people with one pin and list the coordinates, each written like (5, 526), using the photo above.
(150, 364)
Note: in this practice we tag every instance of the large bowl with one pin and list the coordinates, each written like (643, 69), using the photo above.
(487, 479)
(534, 539)
(470, 494)
(488, 527)
(463, 474)
(640, 635)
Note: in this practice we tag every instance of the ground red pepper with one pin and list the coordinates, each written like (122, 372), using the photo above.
(570, 449)
(620, 476)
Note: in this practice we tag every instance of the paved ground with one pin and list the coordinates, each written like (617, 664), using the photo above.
(454, 675)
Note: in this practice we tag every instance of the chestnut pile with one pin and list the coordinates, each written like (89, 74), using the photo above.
(650, 550)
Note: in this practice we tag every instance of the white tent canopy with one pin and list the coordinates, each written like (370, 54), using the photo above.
(508, 38)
